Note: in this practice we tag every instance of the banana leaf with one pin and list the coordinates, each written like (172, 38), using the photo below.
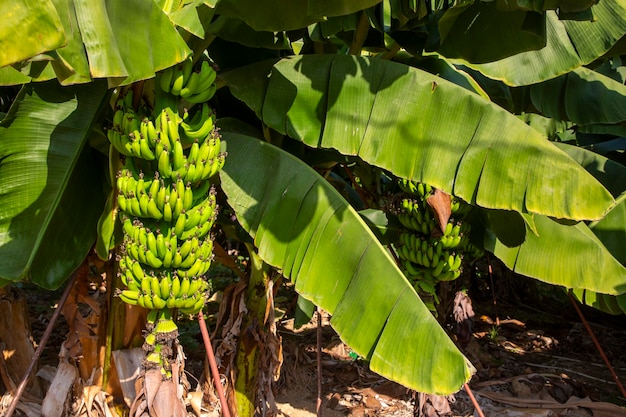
(571, 256)
(29, 28)
(52, 195)
(422, 127)
(595, 252)
(582, 96)
(122, 40)
(612, 304)
(281, 15)
(611, 229)
(302, 226)
(481, 32)
(570, 44)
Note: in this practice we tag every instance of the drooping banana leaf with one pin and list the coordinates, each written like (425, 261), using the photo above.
(568, 255)
(595, 253)
(611, 229)
(302, 226)
(582, 96)
(37, 26)
(612, 304)
(610, 173)
(51, 191)
(570, 44)
(122, 40)
(422, 127)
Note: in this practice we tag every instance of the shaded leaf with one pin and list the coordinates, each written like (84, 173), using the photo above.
(51, 192)
(480, 32)
(582, 96)
(338, 7)
(269, 15)
(235, 30)
(299, 224)
(508, 226)
(360, 106)
(610, 173)
(570, 44)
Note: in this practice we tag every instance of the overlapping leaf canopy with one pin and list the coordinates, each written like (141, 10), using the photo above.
(440, 134)
(300, 224)
(122, 40)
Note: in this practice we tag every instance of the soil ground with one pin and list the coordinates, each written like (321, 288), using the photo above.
(530, 349)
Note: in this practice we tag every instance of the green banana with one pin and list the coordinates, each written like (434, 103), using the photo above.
(165, 79)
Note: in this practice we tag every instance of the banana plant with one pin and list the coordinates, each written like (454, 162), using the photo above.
(330, 87)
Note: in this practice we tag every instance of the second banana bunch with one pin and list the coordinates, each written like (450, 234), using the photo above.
(430, 253)
(167, 203)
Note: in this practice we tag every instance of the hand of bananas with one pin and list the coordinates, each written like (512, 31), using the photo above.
(194, 87)
(167, 204)
(430, 253)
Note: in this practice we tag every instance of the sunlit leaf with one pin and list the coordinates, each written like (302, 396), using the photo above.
(29, 27)
(422, 127)
(300, 224)
(569, 256)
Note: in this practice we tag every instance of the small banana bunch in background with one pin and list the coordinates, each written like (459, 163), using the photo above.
(167, 204)
(435, 239)
(194, 87)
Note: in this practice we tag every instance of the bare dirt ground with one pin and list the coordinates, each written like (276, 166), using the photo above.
(532, 354)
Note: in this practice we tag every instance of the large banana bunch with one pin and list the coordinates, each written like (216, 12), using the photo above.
(430, 252)
(167, 208)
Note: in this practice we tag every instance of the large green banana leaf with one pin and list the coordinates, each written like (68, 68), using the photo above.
(422, 127)
(302, 226)
(38, 25)
(570, 44)
(568, 255)
(122, 40)
(582, 96)
(51, 188)
(595, 253)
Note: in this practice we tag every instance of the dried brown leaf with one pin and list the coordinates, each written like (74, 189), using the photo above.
(152, 383)
(167, 403)
(195, 400)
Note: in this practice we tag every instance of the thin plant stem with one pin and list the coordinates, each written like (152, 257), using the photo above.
(319, 363)
(473, 399)
(360, 34)
(213, 365)
(597, 344)
(42, 345)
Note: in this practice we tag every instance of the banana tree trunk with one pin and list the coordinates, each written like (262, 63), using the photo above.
(258, 354)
